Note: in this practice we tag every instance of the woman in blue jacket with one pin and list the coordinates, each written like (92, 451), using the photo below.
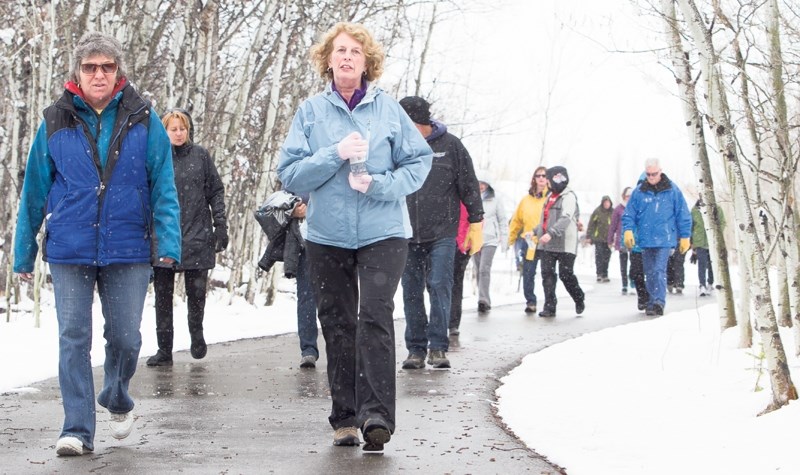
(99, 175)
(358, 224)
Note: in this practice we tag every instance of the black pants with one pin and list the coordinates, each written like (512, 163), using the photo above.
(164, 285)
(358, 330)
(637, 275)
(675, 271)
(602, 255)
(623, 267)
(566, 263)
(459, 269)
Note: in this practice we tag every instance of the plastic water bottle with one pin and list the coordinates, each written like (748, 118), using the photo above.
(358, 166)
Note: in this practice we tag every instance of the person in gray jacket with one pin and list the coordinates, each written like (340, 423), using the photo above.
(495, 233)
(557, 235)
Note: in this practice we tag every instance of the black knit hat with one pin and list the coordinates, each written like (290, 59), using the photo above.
(558, 178)
(418, 109)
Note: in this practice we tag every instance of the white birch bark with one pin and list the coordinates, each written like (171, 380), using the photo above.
(783, 389)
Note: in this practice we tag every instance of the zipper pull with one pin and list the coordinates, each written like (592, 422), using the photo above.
(101, 188)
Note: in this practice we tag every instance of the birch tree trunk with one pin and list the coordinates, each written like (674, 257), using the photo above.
(702, 167)
(783, 389)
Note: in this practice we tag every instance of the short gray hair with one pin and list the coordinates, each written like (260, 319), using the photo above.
(652, 162)
(92, 43)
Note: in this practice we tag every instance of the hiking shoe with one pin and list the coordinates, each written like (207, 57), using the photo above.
(346, 437)
(580, 307)
(414, 361)
(69, 445)
(483, 307)
(161, 358)
(547, 313)
(678, 290)
(605, 280)
(530, 308)
(121, 425)
(308, 361)
(198, 348)
(438, 359)
(641, 306)
(376, 434)
(658, 309)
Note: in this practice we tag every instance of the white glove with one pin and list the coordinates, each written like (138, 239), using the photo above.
(352, 146)
(360, 182)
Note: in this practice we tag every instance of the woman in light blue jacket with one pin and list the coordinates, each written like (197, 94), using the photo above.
(358, 224)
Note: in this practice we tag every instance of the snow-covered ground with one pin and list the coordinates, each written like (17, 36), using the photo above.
(664, 396)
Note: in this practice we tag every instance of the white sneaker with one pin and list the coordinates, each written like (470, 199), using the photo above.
(703, 291)
(121, 425)
(70, 446)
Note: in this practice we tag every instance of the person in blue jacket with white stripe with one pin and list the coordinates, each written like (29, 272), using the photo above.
(358, 224)
(658, 214)
(99, 176)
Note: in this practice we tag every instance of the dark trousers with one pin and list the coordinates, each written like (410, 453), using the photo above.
(358, 329)
(460, 263)
(602, 256)
(164, 285)
(566, 263)
(675, 271)
(705, 273)
(306, 309)
(637, 275)
(623, 267)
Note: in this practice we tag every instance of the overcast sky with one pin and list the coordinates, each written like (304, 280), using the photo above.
(609, 109)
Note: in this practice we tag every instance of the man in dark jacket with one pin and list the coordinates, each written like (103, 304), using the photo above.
(597, 233)
(434, 211)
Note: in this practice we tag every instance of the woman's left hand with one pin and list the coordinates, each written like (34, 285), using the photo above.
(545, 238)
(167, 260)
(360, 182)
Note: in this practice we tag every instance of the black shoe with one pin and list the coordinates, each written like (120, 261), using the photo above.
(650, 312)
(641, 306)
(530, 308)
(198, 348)
(483, 307)
(658, 309)
(376, 434)
(606, 279)
(547, 313)
(580, 307)
(414, 361)
(678, 290)
(308, 361)
(161, 358)
(624, 291)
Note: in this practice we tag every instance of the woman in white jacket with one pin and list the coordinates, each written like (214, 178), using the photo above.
(495, 232)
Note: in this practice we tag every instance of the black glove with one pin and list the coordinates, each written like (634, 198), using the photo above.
(220, 238)
(693, 257)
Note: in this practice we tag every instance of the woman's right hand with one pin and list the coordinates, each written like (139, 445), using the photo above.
(352, 146)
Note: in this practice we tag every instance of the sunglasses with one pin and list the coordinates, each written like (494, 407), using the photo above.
(91, 68)
(653, 174)
(540, 176)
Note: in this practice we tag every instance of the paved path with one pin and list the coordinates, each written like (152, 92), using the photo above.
(247, 408)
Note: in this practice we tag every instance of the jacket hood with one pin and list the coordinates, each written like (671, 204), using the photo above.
(558, 178)
(607, 198)
(439, 129)
(188, 116)
(485, 176)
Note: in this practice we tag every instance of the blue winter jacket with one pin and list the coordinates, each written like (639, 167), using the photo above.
(657, 214)
(399, 160)
(101, 183)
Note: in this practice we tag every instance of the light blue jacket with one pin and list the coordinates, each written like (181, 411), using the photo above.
(399, 161)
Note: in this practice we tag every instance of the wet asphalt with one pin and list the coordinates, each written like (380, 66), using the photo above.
(247, 408)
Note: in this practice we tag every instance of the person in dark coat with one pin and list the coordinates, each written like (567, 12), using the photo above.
(597, 234)
(204, 231)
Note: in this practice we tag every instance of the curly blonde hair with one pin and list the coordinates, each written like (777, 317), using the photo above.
(373, 51)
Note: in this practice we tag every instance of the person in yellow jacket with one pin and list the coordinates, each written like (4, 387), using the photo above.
(527, 217)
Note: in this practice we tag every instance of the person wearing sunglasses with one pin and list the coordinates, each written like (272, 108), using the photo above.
(520, 233)
(658, 214)
(99, 176)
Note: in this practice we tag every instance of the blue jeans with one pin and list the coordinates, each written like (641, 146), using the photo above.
(428, 264)
(122, 289)
(655, 271)
(705, 273)
(306, 309)
(528, 275)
